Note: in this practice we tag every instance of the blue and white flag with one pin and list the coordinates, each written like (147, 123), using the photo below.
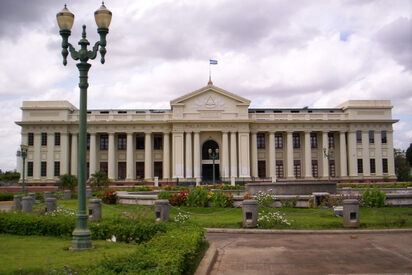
(213, 62)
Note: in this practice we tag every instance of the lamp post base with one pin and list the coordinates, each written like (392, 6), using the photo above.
(82, 240)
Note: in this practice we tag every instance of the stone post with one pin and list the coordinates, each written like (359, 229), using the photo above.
(232, 181)
(198, 181)
(162, 210)
(250, 213)
(27, 204)
(46, 195)
(17, 202)
(156, 181)
(89, 193)
(351, 213)
(51, 205)
(67, 194)
(33, 197)
(95, 210)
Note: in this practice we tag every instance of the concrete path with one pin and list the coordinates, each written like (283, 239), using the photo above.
(5, 206)
(312, 253)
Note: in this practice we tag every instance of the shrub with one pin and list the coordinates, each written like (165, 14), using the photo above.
(197, 198)
(248, 196)
(176, 188)
(108, 196)
(67, 181)
(374, 198)
(6, 196)
(221, 199)
(164, 195)
(265, 199)
(291, 203)
(269, 220)
(178, 199)
(99, 180)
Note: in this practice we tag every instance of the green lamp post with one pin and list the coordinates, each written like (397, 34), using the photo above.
(81, 234)
(23, 154)
(214, 155)
(328, 153)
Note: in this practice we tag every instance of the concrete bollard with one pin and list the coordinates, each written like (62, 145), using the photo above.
(232, 181)
(51, 205)
(250, 213)
(17, 202)
(67, 195)
(161, 210)
(27, 204)
(89, 193)
(33, 197)
(198, 181)
(46, 195)
(156, 181)
(351, 213)
(95, 210)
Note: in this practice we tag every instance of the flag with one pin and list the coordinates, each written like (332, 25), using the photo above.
(213, 62)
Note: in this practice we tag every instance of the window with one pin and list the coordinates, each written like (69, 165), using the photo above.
(279, 169)
(359, 137)
(30, 169)
(57, 168)
(261, 141)
(371, 137)
(278, 141)
(296, 140)
(158, 169)
(140, 142)
(56, 139)
(360, 166)
(297, 169)
(262, 169)
(383, 135)
(315, 168)
(332, 168)
(104, 142)
(313, 140)
(43, 169)
(121, 170)
(88, 142)
(121, 142)
(103, 167)
(140, 170)
(30, 139)
(372, 164)
(157, 142)
(331, 141)
(385, 165)
(87, 170)
(43, 139)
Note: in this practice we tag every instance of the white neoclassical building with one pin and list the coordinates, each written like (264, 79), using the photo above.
(254, 143)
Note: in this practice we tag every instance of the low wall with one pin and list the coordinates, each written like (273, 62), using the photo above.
(292, 188)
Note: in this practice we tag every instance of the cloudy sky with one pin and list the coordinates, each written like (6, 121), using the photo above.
(276, 53)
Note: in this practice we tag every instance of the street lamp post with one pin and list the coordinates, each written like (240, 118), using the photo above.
(214, 155)
(81, 234)
(23, 153)
(328, 153)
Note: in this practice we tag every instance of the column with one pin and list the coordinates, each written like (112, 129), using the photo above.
(342, 155)
(352, 154)
(254, 155)
(307, 156)
(50, 156)
(289, 156)
(111, 173)
(189, 172)
(178, 157)
(92, 154)
(391, 159)
(325, 164)
(196, 154)
(74, 155)
(36, 156)
(148, 155)
(244, 155)
(130, 166)
(272, 156)
(233, 155)
(365, 154)
(64, 153)
(166, 156)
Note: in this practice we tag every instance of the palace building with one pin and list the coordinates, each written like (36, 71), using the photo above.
(351, 142)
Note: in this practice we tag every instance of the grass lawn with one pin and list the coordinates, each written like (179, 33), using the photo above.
(302, 218)
(39, 254)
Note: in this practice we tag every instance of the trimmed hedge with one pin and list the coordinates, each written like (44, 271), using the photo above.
(377, 185)
(6, 196)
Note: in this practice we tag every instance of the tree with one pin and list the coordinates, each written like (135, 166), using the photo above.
(402, 167)
(409, 154)
(67, 181)
(99, 180)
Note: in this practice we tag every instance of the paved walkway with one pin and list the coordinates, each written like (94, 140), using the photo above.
(312, 253)
(5, 206)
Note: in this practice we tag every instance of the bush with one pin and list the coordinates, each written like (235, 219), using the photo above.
(221, 199)
(99, 180)
(178, 199)
(197, 198)
(108, 196)
(269, 220)
(6, 196)
(374, 198)
(265, 199)
(164, 195)
(291, 203)
(67, 181)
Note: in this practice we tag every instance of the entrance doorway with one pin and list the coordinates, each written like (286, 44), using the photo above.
(207, 162)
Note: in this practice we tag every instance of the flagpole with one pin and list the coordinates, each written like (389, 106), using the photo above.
(210, 72)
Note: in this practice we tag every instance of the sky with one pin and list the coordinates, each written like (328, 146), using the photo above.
(275, 53)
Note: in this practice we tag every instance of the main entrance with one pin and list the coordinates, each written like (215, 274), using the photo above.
(207, 162)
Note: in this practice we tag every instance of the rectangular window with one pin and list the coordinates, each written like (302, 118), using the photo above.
(158, 169)
(157, 142)
(278, 141)
(315, 168)
(261, 141)
(103, 166)
(296, 140)
(43, 169)
(121, 142)
(279, 169)
(57, 168)
(30, 169)
(385, 166)
(121, 170)
(371, 137)
(30, 139)
(56, 139)
(360, 166)
(140, 141)
(332, 168)
(88, 142)
(383, 135)
(104, 142)
(140, 170)
(331, 141)
(87, 170)
(373, 166)
(313, 140)
(43, 139)
(262, 169)
(297, 169)
(359, 137)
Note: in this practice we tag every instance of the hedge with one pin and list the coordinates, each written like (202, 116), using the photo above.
(6, 196)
